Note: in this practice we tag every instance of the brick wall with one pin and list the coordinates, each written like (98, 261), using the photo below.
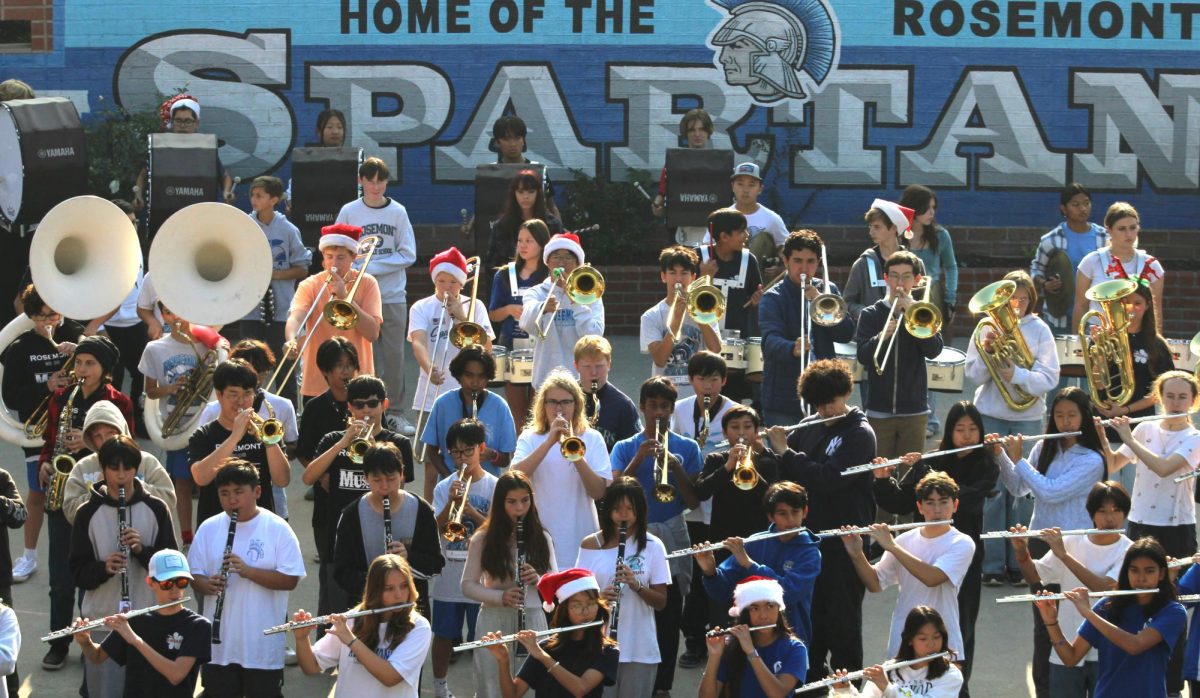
(40, 13)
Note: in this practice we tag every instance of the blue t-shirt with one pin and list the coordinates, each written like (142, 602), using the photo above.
(787, 655)
(682, 447)
(1145, 675)
(494, 413)
(502, 295)
(1080, 244)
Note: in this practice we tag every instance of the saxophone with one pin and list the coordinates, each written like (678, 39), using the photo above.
(62, 461)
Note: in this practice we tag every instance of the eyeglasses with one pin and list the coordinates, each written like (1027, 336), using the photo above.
(47, 315)
(461, 452)
(177, 583)
(184, 122)
(366, 404)
(580, 607)
(561, 403)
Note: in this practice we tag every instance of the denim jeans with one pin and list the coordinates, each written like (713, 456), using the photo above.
(1003, 510)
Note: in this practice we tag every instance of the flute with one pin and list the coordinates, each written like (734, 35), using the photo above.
(830, 533)
(718, 632)
(1188, 475)
(216, 622)
(1018, 598)
(387, 524)
(1181, 562)
(992, 535)
(505, 639)
(616, 609)
(99, 623)
(520, 582)
(854, 675)
(792, 427)
(125, 605)
(684, 552)
(321, 620)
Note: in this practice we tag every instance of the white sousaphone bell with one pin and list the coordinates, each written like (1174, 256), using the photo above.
(84, 261)
(211, 265)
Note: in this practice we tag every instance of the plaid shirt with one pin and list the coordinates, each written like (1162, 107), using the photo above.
(1056, 239)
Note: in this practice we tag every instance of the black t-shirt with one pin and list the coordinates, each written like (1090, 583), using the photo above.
(346, 479)
(209, 438)
(322, 414)
(619, 418)
(736, 512)
(29, 362)
(182, 634)
(738, 317)
(534, 673)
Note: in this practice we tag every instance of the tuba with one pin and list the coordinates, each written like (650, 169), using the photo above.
(1108, 344)
(705, 302)
(1008, 344)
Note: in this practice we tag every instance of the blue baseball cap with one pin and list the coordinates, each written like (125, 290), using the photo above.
(169, 564)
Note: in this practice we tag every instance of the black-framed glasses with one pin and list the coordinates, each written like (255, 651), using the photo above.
(184, 122)
(176, 583)
(368, 404)
(561, 403)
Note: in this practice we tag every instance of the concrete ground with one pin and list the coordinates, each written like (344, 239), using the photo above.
(1002, 644)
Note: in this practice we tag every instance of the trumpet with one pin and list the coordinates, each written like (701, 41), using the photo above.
(358, 447)
(340, 312)
(572, 447)
(663, 491)
(62, 462)
(99, 623)
(505, 639)
(454, 530)
(922, 320)
(467, 333)
(1008, 344)
(269, 430)
(705, 302)
(322, 620)
(745, 476)
(1109, 344)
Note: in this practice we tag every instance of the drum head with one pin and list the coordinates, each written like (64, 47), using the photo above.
(12, 171)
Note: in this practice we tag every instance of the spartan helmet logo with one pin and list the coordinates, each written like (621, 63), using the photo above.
(776, 49)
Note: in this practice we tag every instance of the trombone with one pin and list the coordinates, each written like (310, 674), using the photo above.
(583, 286)
(571, 447)
(466, 333)
(434, 363)
(663, 491)
(340, 312)
(745, 476)
(705, 302)
(308, 335)
(454, 530)
(922, 320)
(827, 309)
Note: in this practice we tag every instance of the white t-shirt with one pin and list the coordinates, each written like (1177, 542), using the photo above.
(636, 627)
(1101, 265)
(910, 682)
(264, 541)
(764, 219)
(654, 328)
(567, 512)
(682, 422)
(353, 681)
(166, 359)
(1104, 560)
(1160, 501)
(147, 299)
(950, 552)
(447, 586)
(285, 412)
(426, 316)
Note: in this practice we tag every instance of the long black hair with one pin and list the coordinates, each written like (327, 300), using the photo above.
(1088, 439)
(497, 558)
(1159, 355)
(578, 655)
(1149, 549)
(624, 488)
(739, 665)
(919, 198)
(918, 618)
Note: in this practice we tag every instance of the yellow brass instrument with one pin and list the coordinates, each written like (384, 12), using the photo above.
(35, 425)
(675, 296)
(196, 391)
(555, 275)
(595, 399)
(340, 312)
(357, 449)
(705, 302)
(62, 462)
(454, 530)
(1008, 344)
(1109, 343)
(827, 309)
(663, 490)
(269, 430)
(572, 447)
(922, 320)
(466, 333)
(585, 285)
(745, 476)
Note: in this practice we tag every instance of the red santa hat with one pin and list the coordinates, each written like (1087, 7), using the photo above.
(557, 587)
(451, 262)
(753, 589)
(340, 235)
(206, 336)
(563, 241)
(173, 104)
(901, 216)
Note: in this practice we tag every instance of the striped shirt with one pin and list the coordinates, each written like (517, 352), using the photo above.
(1056, 239)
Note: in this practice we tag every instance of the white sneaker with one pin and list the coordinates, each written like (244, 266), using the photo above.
(404, 426)
(289, 657)
(23, 569)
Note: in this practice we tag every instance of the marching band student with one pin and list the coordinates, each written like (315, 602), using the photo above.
(976, 474)
(576, 663)
(1001, 510)
(472, 369)
(867, 284)
(736, 272)
(899, 413)
(669, 334)
(1073, 238)
(379, 215)
(814, 457)
(1121, 259)
(508, 140)
(97, 540)
(468, 490)
(563, 321)
(734, 509)
(1190, 584)
(924, 634)
(1134, 635)
(181, 114)
(230, 436)
(1065, 470)
(431, 323)
(1151, 358)
(782, 657)
(509, 286)
(1092, 561)
(94, 359)
(618, 418)
(927, 563)
(490, 572)
(32, 372)
(378, 655)
(339, 250)
(161, 652)
(636, 584)
(765, 229)
(525, 203)
(366, 398)
(10, 648)
(575, 484)
(696, 130)
(362, 531)
(12, 515)
(781, 316)
(792, 560)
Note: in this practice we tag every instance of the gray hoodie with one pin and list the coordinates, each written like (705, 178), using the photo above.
(87, 471)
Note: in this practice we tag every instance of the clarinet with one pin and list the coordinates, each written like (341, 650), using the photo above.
(125, 605)
(387, 524)
(616, 610)
(595, 402)
(216, 623)
(521, 651)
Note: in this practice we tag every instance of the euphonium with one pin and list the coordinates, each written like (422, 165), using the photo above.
(585, 285)
(466, 333)
(572, 447)
(357, 449)
(62, 462)
(745, 476)
(454, 530)
(1008, 344)
(705, 302)
(269, 430)
(1109, 343)
(663, 490)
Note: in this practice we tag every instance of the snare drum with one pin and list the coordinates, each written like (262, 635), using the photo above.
(500, 354)
(848, 354)
(734, 352)
(754, 359)
(945, 373)
(1181, 353)
(1070, 355)
(520, 371)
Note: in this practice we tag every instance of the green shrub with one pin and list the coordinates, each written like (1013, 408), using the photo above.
(628, 233)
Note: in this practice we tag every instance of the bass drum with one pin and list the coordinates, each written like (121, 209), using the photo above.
(12, 429)
(43, 157)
